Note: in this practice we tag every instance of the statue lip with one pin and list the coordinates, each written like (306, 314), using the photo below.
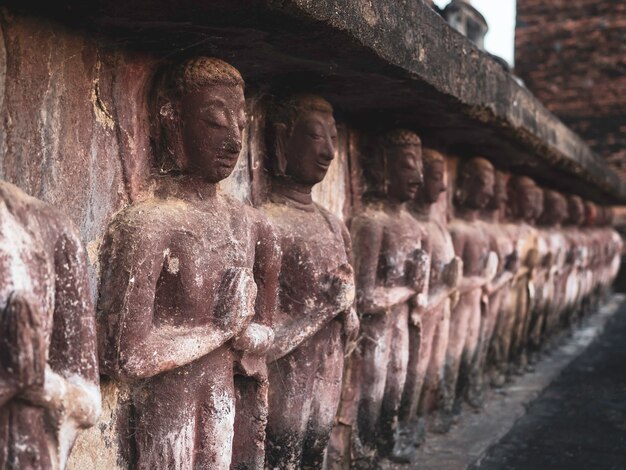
(413, 187)
(324, 164)
(228, 159)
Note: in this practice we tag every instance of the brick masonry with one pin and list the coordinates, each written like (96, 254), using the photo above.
(572, 55)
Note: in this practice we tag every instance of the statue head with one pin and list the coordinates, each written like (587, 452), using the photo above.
(525, 199)
(600, 216)
(610, 214)
(591, 214)
(396, 170)
(475, 184)
(605, 216)
(198, 118)
(575, 210)
(554, 208)
(500, 197)
(303, 132)
(434, 176)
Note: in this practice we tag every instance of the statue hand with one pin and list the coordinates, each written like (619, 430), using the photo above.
(351, 325)
(511, 262)
(338, 287)
(532, 258)
(415, 319)
(417, 269)
(454, 299)
(491, 268)
(75, 399)
(453, 272)
(256, 339)
(236, 297)
(22, 344)
(50, 394)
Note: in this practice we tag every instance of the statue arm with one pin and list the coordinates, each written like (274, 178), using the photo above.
(467, 282)
(72, 380)
(349, 317)
(338, 303)
(499, 282)
(131, 346)
(317, 312)
(259, 335)
(22, 346)
(372, 298)
(470, 282)
(510, 265)
(288, 337)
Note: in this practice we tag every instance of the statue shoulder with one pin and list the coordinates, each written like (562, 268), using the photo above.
(149, 216)
(20, 204)
(331, 218)
(38, 216)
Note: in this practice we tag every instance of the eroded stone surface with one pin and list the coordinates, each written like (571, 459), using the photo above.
(315, 316)
(193, 361)
(49, 373)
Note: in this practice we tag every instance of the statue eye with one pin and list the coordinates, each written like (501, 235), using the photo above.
(214, 123)
(214, 118)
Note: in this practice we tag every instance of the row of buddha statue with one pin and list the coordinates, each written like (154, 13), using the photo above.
(276, 337)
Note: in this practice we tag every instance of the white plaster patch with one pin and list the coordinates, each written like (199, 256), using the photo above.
(223, 405)
(173, 265)
(16, 245)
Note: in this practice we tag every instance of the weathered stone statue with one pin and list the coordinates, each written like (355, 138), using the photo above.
(576, 260)
(48, 363)
(525, 206)
(502, 243)
(391, 271)
(428, 351)
(550, 277)
(615, 247)
(315, 315)
(475, 186)
(611, 243)
(589, 271)
(189, 280)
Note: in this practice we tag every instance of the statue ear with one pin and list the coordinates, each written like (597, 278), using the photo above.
(509, 210)
(280, 144)
(167, 117)
(170, 137)
(460, 197)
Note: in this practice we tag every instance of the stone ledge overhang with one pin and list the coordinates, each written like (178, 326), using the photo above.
(381, 62)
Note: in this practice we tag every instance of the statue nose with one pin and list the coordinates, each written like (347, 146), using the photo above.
(328, 152)
(233, 145)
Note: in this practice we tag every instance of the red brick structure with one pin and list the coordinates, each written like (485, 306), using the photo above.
(572, 55)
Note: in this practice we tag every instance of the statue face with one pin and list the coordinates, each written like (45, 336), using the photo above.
(480, 189)
(212, 123)
(562, 209)
(555, 208)
(529, 201)
(404, 172)
(500, 195)
(576, 210)
(590, 213)
(434, 181)
(310, 149)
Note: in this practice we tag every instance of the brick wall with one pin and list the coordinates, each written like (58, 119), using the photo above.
(572, 55)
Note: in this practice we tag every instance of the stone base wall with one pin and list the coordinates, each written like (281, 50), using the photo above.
(571, 54)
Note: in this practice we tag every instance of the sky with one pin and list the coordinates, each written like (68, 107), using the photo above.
(500, 16)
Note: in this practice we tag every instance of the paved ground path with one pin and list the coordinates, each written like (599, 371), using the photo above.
(579, 421)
